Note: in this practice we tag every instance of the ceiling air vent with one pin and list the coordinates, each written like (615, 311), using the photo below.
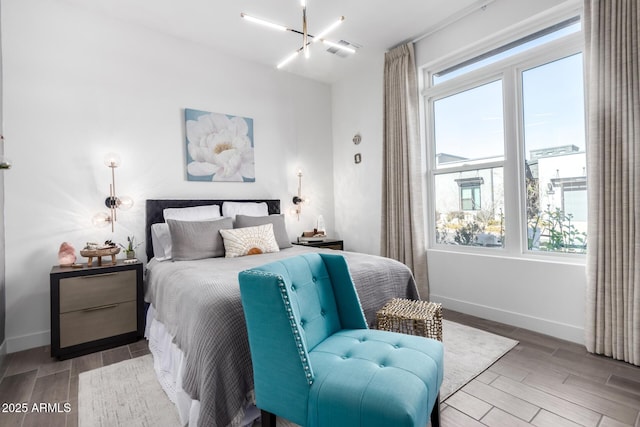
(341, 52)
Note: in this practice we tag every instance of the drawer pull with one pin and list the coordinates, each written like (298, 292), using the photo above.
(98, 275)
(102, 307)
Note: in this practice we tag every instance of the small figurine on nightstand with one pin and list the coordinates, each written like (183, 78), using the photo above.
(66, 255)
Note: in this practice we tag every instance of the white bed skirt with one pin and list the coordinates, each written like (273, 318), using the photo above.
(169, 363)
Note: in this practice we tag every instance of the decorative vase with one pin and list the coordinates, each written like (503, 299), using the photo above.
(131, 254)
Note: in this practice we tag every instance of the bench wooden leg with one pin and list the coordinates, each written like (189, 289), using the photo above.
(268, 419)
(435, 413)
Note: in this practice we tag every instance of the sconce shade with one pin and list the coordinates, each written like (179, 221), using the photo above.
(125, 203)
(112, 160)
(101, 219)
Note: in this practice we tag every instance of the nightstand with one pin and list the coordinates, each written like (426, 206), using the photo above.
(95, 308)
(325, 243)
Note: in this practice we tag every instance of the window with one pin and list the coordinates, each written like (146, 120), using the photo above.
(470, 193)
(554, 141)
(507, 145)
(469, 207)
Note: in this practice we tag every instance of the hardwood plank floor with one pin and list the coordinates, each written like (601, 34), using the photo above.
(543, 382)
(33, 377)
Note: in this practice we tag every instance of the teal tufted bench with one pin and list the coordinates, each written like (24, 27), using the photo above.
(317, 364)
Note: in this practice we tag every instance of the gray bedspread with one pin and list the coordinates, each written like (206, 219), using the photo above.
(199, 303)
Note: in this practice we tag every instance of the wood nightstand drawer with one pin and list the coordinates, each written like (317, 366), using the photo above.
(95, 308)
(78, 293)
(95, 323)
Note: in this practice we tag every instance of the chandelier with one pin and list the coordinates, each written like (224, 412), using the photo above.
(307, 39)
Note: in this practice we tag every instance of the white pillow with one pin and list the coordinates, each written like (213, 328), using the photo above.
(249, 241)
(161, 241)
(196, 213)
(231, 209)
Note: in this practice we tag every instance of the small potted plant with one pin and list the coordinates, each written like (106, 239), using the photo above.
(130, 247)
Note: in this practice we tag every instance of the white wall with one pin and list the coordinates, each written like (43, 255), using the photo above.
(357, 109)
(538, 294)
(78, 85)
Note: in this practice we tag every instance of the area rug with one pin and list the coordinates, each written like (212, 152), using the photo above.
(128, 393)
(124, 394)
(467, 353)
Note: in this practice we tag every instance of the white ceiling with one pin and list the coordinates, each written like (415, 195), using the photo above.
(375, 25)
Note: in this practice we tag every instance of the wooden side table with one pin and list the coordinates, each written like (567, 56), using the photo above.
(95, 308)
(325, 243)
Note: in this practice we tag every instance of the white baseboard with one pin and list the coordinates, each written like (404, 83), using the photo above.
(26, 342)
(544, 326)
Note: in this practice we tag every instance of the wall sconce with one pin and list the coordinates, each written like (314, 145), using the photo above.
(5, 162)
(112, 202)
(298, 200)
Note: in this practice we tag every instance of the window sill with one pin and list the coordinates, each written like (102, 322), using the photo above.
(560, 258)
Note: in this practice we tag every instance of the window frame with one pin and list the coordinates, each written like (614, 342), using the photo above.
(509, 70)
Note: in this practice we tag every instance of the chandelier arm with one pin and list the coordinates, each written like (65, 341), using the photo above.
(305, 43)
(322, 34)
(309, 36)
(264, 22)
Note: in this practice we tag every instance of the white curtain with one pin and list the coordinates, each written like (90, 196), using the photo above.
(403, 235)
(613, 159)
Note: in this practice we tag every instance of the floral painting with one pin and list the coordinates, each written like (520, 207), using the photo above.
(219, 147)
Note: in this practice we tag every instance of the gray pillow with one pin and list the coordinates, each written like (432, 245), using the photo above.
(197, 239)
(279, 229)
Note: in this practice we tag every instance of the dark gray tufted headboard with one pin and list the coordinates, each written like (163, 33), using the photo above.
(155, 207)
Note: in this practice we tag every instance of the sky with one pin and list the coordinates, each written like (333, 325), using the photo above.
(471, 123)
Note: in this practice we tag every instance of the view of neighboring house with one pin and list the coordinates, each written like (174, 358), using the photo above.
(470, 210)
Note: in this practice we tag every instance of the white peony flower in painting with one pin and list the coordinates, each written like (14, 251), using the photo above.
(219, 147)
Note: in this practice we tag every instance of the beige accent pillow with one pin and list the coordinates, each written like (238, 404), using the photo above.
(279, 228)
(249, 241)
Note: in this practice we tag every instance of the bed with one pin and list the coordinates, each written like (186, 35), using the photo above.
(195, 324)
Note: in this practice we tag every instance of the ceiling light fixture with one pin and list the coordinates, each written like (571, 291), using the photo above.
(307, 38)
